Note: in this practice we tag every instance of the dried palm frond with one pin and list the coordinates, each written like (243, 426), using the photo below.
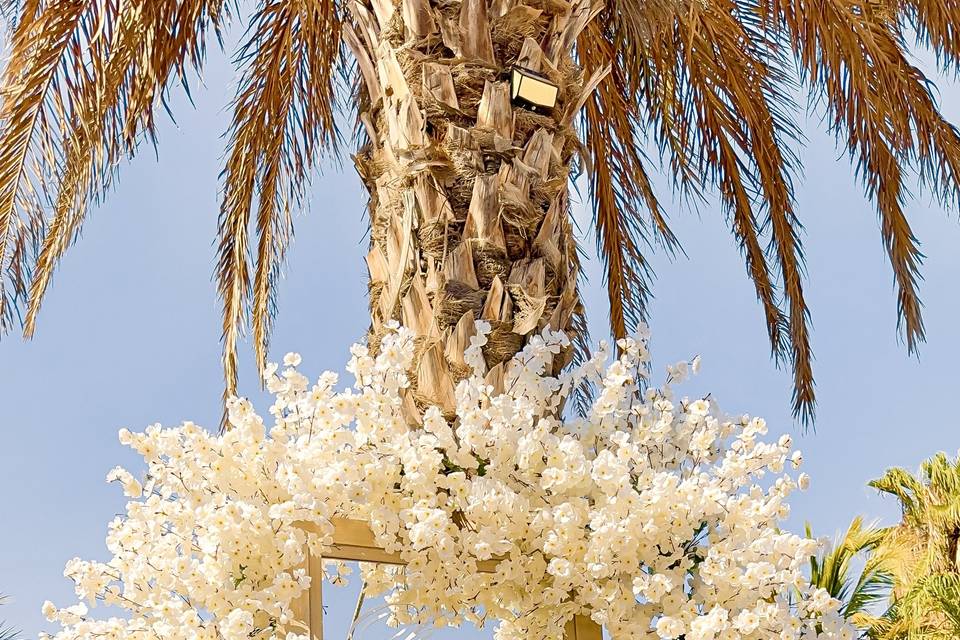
(79, 95)
(91, 145)
(37, 91)
(626, 211)
(717, 100)
(283, 112)
(854, 55)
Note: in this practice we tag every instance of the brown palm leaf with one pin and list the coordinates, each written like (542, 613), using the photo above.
(283, 113)
(70, 117)
(855, 59)
(33, 114)
(715, 95)
(616, 169)
(715, 90)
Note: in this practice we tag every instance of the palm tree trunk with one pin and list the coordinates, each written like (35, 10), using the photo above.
(468, 193)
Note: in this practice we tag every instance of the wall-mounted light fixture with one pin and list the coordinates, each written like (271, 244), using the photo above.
(532, 90)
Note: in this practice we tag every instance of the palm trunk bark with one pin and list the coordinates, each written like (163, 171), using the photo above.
(468, 193)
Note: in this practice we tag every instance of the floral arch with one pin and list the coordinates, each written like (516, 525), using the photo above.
(652, 515)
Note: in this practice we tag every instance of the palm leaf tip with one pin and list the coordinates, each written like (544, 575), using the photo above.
(284, 115)
(627, 213)
(70, 118)
(883, 108)
(7, 632)
(36, 88)
(715, 85)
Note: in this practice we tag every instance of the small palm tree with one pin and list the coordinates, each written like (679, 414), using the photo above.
(929, 609)
(926, 581)
(833, 570)
(469, 209)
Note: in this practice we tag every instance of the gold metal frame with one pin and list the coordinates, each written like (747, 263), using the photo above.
(353, 540)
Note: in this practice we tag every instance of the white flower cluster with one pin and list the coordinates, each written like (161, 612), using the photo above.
(650, 514)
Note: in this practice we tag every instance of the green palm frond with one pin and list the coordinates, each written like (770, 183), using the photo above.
(833, 571)
(930, 609)
(930, 503)
(7, 632)
(947, 592)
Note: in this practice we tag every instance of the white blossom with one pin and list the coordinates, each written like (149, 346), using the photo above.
(653, 514)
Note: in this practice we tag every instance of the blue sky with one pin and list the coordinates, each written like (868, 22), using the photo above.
(129, 336)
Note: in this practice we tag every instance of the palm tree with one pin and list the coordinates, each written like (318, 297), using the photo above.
(833, 570)
(469, 188)
(926, 582)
